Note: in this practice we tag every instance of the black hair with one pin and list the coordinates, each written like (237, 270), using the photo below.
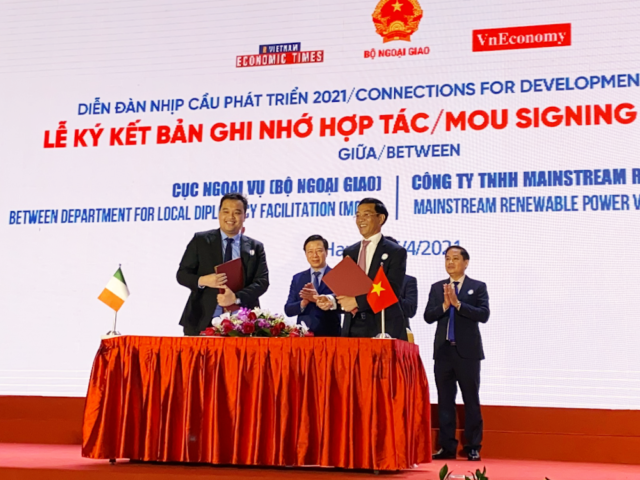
(314, 238)
(379, 206)
(463, 251)
(235, 196)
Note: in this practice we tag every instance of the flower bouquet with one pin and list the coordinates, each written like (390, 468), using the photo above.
(254, 323)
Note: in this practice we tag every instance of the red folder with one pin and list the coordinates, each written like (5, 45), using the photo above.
(347, 279)
(235, 278)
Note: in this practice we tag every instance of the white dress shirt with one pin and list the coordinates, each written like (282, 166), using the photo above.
(371, 248)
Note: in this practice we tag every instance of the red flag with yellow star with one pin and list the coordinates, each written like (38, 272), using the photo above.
(381, 295)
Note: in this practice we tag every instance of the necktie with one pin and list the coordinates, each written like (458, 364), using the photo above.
(362, 258)
(451, 333)
(316, 283)
(228, 252)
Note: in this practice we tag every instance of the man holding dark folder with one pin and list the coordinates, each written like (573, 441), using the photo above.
(208, 250)
(370, 253)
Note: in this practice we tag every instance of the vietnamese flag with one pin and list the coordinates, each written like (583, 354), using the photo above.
(381, 295)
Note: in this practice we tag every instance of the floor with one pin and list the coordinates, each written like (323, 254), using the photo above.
(52, 462)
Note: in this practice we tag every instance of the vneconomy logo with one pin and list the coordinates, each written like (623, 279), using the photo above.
(515, 38)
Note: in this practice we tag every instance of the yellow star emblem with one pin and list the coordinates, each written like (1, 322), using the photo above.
(397, 6)
(377, 288)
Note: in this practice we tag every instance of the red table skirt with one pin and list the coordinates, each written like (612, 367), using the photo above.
(343, 402)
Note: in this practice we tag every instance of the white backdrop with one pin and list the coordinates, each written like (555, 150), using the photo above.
(563, 284)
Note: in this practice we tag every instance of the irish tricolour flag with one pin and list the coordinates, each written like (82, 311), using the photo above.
(116, 291)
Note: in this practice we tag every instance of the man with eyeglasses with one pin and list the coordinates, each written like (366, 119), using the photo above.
(371, 252)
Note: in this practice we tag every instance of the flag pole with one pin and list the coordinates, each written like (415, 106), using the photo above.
(114, 332)
(383, 334)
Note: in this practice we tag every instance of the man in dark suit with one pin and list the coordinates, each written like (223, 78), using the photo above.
(305, 288)
(408, 295)
(211, 248)
(459, 304)
(373, 251)
(409, 298)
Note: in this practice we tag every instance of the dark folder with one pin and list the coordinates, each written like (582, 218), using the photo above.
(235, 278)
(347, 279)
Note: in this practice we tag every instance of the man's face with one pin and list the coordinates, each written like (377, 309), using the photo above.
(455, 264)
(368, 221)
(232, 216)
(316, 254)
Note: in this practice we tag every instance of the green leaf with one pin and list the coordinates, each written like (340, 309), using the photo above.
(443, 472)
(263, 332)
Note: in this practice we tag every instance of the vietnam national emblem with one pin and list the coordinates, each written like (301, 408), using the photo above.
(397, 19)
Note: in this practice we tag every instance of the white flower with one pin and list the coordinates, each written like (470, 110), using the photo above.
(217, 321)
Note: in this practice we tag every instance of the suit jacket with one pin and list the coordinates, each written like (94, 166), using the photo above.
(409, 297)
(474, 310)
(321, 323)
(366, 323)
(202, 255)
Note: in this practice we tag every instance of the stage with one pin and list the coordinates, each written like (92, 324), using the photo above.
(53, 462)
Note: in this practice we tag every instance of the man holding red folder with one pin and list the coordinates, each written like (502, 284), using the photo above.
(206, 251)
(370, 253)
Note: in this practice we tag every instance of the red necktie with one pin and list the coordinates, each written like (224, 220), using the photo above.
(362, 258)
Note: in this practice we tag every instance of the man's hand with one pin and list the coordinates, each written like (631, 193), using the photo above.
(347, 303)
(453, 298)
(447, 298)
(323, 302)
(308, 293)
(214, 280)
(226, 297)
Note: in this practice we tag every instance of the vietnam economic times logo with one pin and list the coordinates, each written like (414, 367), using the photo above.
(280, 54)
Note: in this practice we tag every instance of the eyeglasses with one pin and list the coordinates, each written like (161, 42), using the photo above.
(366, 215)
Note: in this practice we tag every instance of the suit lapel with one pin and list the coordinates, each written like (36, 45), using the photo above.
(245, 254)
(353, 251)
(305, 278)
(322, 288)
(466, 286)
(215, 240)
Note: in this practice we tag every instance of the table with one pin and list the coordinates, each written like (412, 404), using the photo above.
(344, 402)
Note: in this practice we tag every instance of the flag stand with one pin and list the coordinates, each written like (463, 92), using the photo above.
(384, 335)
(114, 332)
